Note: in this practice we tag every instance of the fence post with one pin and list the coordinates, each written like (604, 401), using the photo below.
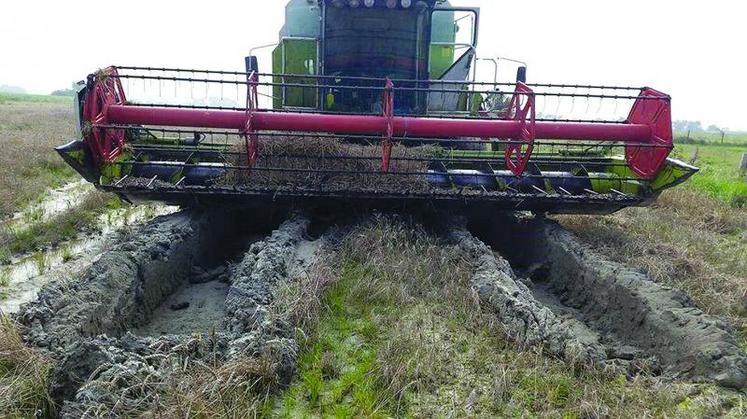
(743, 165)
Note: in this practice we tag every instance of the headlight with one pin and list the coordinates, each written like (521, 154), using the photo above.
(355, 3)
(391, 4)
(369, 3)
(406, 3)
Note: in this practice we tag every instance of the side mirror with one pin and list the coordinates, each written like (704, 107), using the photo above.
(521, 75)
(251, 64)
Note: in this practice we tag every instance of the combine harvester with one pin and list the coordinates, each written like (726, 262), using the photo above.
(376, 102)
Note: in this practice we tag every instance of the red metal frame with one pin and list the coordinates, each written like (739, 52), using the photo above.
(520, 150)
(104, 90)
(388, 111)
(647, 133)
(646, 160)
(249, 132)
(375, 125)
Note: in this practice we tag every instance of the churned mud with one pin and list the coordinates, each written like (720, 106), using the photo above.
(548, 288)
(28, 274)
(186, 285)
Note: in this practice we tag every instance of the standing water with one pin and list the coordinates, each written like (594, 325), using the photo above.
(21, 281)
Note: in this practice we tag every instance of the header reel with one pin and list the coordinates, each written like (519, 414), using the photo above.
(212, 136)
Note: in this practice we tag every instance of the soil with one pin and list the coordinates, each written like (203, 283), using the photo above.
(195, 308)
(585, 308)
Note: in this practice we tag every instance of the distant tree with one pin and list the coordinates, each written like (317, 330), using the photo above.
(694, 126)
(679, 126)
(684, 126)
(713, 128)
(12, 89)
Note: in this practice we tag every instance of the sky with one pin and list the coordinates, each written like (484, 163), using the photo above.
(690, 49)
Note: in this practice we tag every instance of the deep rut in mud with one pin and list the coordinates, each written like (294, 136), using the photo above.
(552, 289)
(184, 284)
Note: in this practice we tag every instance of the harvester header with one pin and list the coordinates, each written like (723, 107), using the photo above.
(364, 119)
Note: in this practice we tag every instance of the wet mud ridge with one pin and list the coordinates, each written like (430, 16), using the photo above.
(183, 288)
(550, 289)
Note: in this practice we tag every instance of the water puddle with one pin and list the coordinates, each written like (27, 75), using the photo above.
(21, 281)
(54, 203)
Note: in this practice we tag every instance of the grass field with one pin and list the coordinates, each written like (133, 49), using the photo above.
(30, 128)
(9, 98)
(720, 177)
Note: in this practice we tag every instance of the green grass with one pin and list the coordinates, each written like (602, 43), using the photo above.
(67, 254)
(5, 254)
(337, 371)
(400, 335)
(6, 98)
(4, 278)
(4, 283)
(720, 177)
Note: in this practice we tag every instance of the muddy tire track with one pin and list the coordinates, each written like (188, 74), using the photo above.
(98, 325)
(549, 288)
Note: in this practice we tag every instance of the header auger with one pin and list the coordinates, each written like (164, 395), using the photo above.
(377, 103)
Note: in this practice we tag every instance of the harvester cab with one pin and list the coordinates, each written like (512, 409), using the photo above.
(373, 101)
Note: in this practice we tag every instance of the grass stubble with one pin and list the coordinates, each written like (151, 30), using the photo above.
(399, 332)
(24, 375)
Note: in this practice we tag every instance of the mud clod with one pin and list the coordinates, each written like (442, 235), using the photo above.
(254, 278)
(627, 305)
(117, 292)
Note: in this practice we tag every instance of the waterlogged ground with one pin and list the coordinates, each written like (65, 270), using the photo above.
(25, 274)
(50, 204)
